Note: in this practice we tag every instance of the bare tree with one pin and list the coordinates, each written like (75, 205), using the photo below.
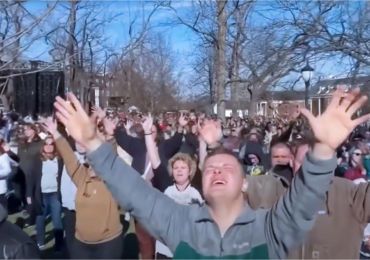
(19, 31)
(237, 29)
(204, 73)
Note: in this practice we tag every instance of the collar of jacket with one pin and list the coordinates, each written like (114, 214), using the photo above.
(248, 215)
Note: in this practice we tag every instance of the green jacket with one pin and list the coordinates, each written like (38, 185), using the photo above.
(190, 231)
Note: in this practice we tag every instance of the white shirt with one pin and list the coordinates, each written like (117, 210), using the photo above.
(67, 187)
(184, 197)
(49, 182)
(5, 170)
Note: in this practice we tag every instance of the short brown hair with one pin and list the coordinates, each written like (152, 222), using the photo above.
(223, 150)
(185, 158)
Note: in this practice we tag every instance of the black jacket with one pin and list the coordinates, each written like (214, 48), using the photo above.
(34, 186)
(190, 146)
(137, 149)
(14, 242)
(30, 162)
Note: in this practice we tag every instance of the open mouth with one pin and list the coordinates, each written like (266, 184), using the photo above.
(219, 182)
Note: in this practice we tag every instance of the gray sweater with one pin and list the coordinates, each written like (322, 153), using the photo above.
(190, 231)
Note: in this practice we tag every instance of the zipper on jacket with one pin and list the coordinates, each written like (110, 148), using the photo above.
(221, 248)
(222, 238)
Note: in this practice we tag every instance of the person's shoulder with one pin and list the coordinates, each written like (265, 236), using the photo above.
(342, 182)
(194, 191)
(341, 185)
(170, 189)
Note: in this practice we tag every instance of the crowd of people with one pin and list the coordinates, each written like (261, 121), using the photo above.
(196, 187)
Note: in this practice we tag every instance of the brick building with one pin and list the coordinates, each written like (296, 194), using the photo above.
(321, 93)
(282, 103)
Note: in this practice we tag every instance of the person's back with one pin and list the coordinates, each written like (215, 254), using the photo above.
(14, 242)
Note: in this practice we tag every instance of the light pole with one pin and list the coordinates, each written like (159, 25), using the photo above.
(307, 74)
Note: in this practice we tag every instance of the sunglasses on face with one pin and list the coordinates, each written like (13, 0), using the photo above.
(358, 154)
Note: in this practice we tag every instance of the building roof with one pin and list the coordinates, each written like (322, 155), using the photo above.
(283, 95)
(327, 86)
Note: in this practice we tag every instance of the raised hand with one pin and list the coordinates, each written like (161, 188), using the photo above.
(110, 125)
(211, 132)
(78, 124)
(364, 148)
(335, 124)
(183, 121)
(5, 146)
(51, 127)
(147, 124)
(99, 112)
(128, 125)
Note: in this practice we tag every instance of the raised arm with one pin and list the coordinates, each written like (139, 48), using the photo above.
(151, 146)
(12, 155)
(202, 152)
(173, 145)
(294, 214)
(75, 170)
(160, 215)
(124, 140)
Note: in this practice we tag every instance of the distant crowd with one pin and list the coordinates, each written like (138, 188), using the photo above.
(191, 185)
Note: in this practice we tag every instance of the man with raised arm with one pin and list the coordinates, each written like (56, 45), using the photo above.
(225, 226)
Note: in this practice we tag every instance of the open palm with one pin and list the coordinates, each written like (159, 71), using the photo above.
(110, 125)
(211, 132)
(79, 125)
(335, 124)
(50, 125)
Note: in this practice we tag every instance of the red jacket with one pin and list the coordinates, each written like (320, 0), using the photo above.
(354, 173)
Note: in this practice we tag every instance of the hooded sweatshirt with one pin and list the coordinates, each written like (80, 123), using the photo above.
(256, 149)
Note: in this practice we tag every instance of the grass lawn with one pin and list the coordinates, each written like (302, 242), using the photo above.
(130, 243)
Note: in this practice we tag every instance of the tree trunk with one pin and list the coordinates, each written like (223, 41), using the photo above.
(71, 58)
(252, 106)
(221, 59)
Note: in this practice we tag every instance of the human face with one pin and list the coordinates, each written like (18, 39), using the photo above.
(226, 132)
(280, 155)
(253, 138)
(29, 132)
(356, 157)
(194, 129)
(192, 116)
(49, 146)
(298, 159)
(223, 179)
(80, 149)
(181, 172)
(253, 159)
(234, 132)
(273, 129)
